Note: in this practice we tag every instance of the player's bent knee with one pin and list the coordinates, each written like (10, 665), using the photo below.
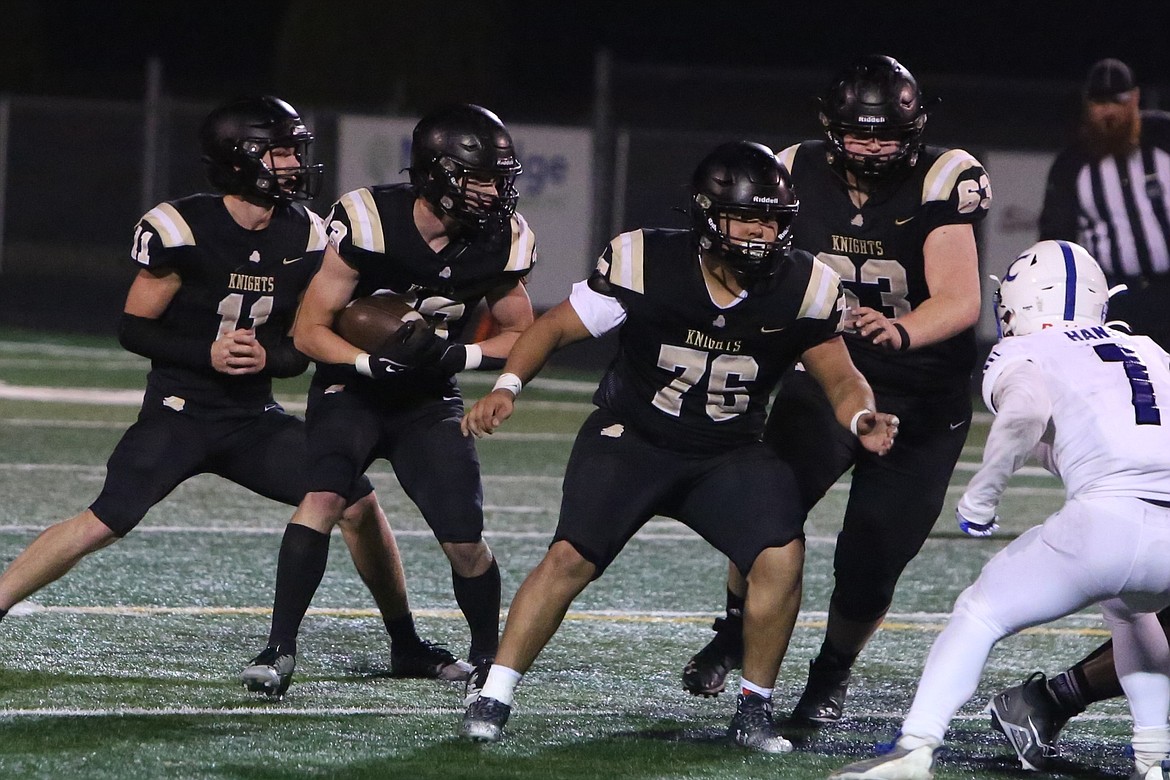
(566, 560)
(468, 559)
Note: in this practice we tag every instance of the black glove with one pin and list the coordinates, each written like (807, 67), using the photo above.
(414, 345)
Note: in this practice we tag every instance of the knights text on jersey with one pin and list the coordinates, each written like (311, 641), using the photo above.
(373, 230)
(690, 375)
(878, 251)
(232, 278)
(1110, 407)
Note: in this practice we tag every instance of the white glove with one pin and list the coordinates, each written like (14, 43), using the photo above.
(972, 528)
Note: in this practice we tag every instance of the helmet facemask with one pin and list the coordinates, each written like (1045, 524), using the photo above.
(281, 184)
(752, 259)
(238, 139)
(459, 154)
(874, 97)
(463, 193)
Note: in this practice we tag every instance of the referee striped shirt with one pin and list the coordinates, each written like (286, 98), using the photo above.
(1117, 207)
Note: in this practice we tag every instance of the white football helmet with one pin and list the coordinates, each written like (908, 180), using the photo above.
(1051, 283)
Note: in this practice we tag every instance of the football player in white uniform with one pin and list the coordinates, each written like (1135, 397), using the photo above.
(1085, 399)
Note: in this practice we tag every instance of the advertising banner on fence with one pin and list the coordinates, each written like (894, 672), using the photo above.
(556, 189)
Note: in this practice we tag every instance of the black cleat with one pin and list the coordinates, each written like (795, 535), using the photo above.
(823, 700)
(752, 726)
(706, 673)
(484, 720)
(269, 673)
(1030, 717)
(475, 681)
(429, 660)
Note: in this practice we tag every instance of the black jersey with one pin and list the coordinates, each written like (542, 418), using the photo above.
(232, 278)
(692, 376)
(877, 251)
(373, 230)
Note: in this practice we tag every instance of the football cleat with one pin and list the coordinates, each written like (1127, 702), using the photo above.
(899, 764)
(484, 720)
(752, 727)
(1029, 716)
(823, 700)
(429, 660)
(269, 673)
(475, 681)
(706, 673)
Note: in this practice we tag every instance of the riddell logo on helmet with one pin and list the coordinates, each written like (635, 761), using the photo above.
(871, 120)
(764, 199)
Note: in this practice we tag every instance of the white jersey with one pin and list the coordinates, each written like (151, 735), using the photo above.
(1109, 430)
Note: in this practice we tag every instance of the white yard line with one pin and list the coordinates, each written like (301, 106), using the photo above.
(272, 709)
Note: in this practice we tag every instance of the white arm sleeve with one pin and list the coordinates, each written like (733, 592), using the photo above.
(599, 313)
(1023, 408)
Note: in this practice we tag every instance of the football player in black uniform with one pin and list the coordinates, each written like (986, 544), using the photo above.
(895, 219)
(218, 282)
(447, 240)
(710, 318)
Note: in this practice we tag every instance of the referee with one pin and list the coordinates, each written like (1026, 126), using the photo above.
(1110, 192)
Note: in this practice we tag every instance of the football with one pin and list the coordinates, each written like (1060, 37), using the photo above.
(367, 322)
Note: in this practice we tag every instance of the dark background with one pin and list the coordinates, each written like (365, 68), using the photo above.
(681, 76)
(534, 59)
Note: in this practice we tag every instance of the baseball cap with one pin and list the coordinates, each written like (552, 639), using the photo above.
(1109, 81)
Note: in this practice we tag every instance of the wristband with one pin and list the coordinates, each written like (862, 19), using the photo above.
(362, 364)
(856, 417)
(474, 357)
(905, 336)
(509, 382)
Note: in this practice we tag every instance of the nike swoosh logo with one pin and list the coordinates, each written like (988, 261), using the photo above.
(903, 221)
(1010, 277)
(291, 260)
(958, 425)
(772, 330)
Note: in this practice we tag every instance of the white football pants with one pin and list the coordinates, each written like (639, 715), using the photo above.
(1112, 551)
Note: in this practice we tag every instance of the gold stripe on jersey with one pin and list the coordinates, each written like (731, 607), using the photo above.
(365, 226)
(522, 255)
(626, 261)
(941, 177)
(318, 237)
(172, 229)
(788, 156)
(820, 296)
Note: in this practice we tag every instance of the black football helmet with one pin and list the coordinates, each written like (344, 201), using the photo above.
(460, 142)
(874, 96)
(745, 180)
(235, 139)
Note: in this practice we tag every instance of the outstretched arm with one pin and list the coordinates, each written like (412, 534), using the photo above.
(556, 328)
(850, 395)
(1023, 408)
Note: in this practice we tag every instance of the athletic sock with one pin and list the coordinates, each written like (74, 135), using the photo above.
(304, 553)
(1068, 690)
(479, 599)
(734, 606)
(401, 630)
(746, 687)
(501, 684)
(831, 658)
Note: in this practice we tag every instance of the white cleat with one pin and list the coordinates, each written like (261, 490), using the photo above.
(901, 764)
